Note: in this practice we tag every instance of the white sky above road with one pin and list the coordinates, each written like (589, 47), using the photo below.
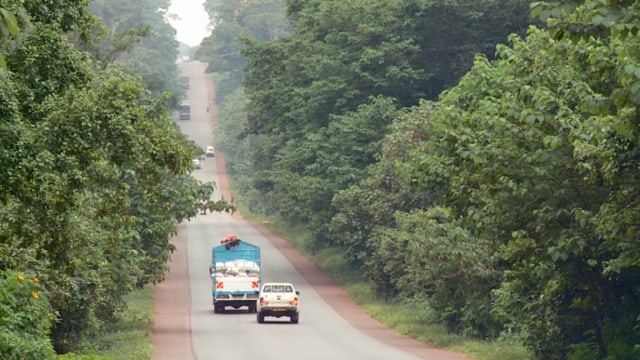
(192, 21)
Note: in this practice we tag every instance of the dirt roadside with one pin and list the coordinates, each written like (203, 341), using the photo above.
(171, 331)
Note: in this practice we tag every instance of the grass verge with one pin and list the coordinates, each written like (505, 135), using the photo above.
(129, 338)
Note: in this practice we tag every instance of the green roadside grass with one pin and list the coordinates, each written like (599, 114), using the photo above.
(130, 339)
(413, 319)
(127, 339)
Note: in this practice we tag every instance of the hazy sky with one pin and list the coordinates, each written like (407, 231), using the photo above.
(192, 20)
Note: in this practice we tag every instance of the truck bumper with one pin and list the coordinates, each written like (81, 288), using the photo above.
(220, 305)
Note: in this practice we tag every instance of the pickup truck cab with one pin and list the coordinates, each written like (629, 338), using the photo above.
(278, 300)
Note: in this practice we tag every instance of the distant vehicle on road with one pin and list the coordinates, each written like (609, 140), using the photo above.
(210, 152)
(197, 164)
(185, 111)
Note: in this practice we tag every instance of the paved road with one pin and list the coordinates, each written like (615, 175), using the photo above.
(331, 325)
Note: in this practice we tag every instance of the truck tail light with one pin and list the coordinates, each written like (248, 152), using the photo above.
(263, 302)
(294, 301)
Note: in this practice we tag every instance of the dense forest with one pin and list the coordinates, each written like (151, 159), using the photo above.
(478, 156)
(94, 177)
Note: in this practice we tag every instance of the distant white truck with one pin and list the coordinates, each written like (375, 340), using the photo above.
(210, 151)
(278, 299)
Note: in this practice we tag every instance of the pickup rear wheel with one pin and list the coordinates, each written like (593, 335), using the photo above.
(294, 318)
(260, 318)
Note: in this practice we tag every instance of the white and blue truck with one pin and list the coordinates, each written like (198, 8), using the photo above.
(235, 274)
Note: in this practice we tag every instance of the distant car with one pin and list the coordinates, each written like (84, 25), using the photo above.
(197, 164)
(184, 111)
(278, 300)
(210, 152)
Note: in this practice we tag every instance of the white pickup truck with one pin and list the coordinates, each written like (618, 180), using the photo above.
(278, 300)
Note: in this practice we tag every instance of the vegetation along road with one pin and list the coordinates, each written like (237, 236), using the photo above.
(331, 325)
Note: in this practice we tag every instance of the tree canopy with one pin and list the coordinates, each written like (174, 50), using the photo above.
(532, 156)
(349, 66)
(462, 158)
(234, 20)
(94, 178)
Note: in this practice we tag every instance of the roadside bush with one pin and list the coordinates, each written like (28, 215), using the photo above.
(25, 318)
(430, 256)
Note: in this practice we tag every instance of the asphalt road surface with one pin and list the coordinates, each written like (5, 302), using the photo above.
(331, 325)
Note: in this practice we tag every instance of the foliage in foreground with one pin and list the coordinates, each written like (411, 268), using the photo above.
(25, 317)
(94, 180)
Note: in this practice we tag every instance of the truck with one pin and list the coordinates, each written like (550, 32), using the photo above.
(235, 274)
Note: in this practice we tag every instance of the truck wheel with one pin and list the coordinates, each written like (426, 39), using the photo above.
(294, 318)
(260, 318)
(252, 308)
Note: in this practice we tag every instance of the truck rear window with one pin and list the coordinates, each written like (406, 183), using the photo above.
(277, 288)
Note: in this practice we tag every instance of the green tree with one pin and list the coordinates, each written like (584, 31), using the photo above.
(126, 183)
(533, 151)
(429, 256)
(8, 28)
(373, 201)
(339, 56)
(95, 177)
(232, 21)
(138, 36)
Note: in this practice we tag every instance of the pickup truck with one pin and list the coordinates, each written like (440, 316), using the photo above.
(278, 300)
